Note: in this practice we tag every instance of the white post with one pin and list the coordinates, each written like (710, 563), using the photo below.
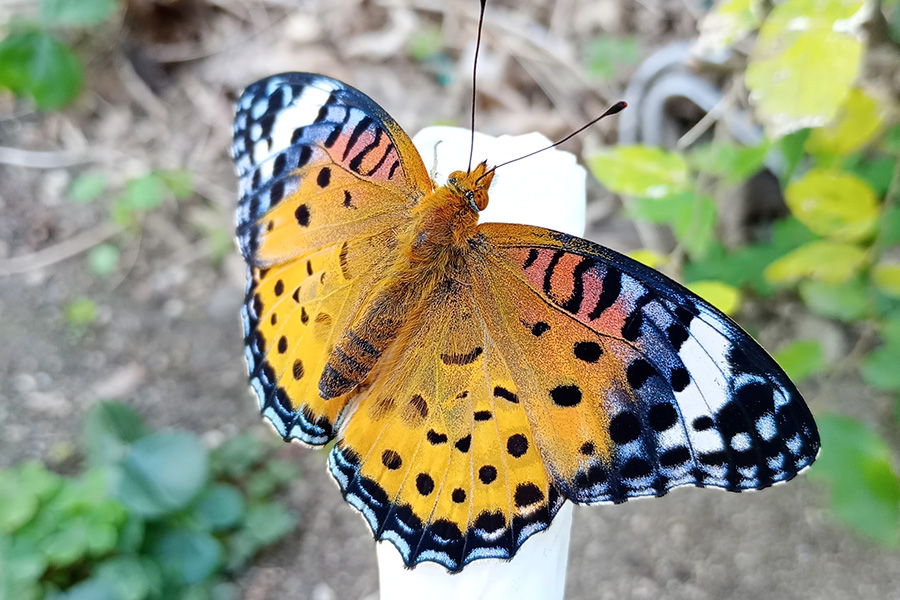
(547, 190)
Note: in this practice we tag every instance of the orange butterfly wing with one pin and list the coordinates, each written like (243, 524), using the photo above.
(439, 455)
(636, 384)
(327, 182)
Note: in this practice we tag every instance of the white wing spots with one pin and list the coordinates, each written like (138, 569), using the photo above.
(766, 427)
(741, 442)
(705, 355)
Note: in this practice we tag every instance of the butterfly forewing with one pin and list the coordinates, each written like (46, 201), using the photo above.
(674, 392)
(319, 163)
(327, 180)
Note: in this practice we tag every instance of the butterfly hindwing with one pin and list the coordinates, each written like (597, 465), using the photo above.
(327, 180)
(319, 163)
(439, 455)
(674, 391)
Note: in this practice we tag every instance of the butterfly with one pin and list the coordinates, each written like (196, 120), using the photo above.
(475, 376)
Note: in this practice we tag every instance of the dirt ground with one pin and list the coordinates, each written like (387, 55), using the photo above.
(167, 337)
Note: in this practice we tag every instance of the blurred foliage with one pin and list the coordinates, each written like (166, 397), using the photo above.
(155, 515)
(33, 60)
(838, 251)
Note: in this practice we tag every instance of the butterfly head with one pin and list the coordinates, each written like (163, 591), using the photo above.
(472, 186)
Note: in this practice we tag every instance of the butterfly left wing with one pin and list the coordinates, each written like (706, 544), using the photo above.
(632, 384)
(319, 163)
(327, 180)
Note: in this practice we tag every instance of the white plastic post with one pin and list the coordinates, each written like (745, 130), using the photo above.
(546, 190)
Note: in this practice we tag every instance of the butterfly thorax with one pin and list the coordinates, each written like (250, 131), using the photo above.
(436, 251)
(445, 220)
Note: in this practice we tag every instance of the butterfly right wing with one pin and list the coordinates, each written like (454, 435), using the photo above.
(327, 180)
(634, 385)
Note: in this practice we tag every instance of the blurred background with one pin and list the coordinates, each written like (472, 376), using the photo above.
(757, 162)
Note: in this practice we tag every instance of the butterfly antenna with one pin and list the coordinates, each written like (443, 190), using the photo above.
(615, 108)
(474, 76)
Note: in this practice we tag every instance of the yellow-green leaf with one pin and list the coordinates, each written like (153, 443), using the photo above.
(652, 259)
(834, 204)
(804, 63)
(857, 123)
(727, 23)
(887, 278)
(830, 262)
(641, 171)
(726, 298)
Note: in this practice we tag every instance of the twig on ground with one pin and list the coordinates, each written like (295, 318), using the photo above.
(59, 252)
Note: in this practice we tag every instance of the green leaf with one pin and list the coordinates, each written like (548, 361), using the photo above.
(745, 266)
(695, 227)
(880, 370)
(855, 463)
(877, 171)
(102, 538)
(801, 358)
(265, 524)
(33, 477)
(141, 194)
(36, 64)
(890, 142)
(127, 574)
(17, 505)
(131, 535)
(269, 522)
(425, 43)
(68, 545)
(691, 216)
(734, 163)
(102, 260)
(847, 301)
(92, 589)
(274, 473)
(641, 171)
(830, 262)
(21, 567)
(235, 457)
(857, 123)
(77, 12)
(108, 429)
(886, 277)
(725, 297)
(804, 63)
(890, 227)
(219, 507)
(162, 473)
(189, 555)
(80, 312)
(792, 147)
(180, 183)
(605, 55)
(87, 187)
(833, 204)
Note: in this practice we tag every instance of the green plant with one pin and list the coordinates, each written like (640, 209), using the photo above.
(34, 62)
(839, 249)
(154, 516)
